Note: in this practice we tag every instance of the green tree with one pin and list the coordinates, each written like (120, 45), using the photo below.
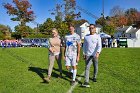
(23, 31)
(46, 27)
(69, 11)
(66, 11)
(5, 32)
(101, 21)
(109, 29)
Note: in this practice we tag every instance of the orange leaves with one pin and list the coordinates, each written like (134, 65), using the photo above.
(122, 21)
(20, 11)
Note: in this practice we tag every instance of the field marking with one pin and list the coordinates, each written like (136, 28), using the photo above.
(72, 87)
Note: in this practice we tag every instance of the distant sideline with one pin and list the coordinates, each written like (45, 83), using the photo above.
(25, 42)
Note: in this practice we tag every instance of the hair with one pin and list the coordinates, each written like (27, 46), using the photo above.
(54, 29)
(92, 25)
(71, 25)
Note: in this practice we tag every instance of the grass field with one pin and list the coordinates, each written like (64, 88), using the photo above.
(22, 70)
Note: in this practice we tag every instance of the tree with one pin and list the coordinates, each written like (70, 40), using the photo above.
(23, 31)
(64, 15)
(122, 20)
(132, 15)
(47, 26)
(101, 21)
(5, 32)
(117, 11)
(69, 12)
(20, 11)
(66, 11)
(62, 28)
(109, 29)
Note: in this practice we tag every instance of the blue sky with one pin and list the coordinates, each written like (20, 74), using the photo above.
(41, 7)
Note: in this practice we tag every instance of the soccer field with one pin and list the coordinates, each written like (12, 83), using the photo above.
(22, 70)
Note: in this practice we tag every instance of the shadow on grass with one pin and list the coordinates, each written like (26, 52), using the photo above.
(69, 75)
(65, 74)
(40, 71)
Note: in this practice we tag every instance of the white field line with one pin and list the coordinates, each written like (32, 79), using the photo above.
(72, 87)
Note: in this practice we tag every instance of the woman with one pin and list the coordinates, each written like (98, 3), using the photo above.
(54, 53)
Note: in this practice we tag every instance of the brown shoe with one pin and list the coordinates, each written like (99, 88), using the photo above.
(47, 79)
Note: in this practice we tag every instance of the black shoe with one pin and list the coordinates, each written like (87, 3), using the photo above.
(60, 76)
(86, 84)
(69, 75)
(76, 80)
(72, 83)
(94, 80)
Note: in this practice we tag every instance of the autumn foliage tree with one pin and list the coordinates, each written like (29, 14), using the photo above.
(20, 11)
(132, 15)
(120, 18)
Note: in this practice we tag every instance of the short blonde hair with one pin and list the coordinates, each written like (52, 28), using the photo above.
(54, 29)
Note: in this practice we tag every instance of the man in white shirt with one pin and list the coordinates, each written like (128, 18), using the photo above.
(91, 49)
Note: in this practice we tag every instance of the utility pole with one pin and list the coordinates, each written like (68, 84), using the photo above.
(103, 21)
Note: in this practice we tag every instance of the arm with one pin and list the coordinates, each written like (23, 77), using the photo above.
(64, 51)
(49, 45)
(99, 47)
(78, 51)
(78, 48)
(84, 49)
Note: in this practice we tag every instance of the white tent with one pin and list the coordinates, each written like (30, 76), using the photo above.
(104, 35)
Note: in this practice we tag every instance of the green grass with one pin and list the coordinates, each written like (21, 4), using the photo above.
(22, 70)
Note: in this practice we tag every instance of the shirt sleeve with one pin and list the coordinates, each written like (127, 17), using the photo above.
(99, 44)
(84, 46)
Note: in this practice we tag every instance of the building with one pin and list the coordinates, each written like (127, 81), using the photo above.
(132, 34)
(83, 29)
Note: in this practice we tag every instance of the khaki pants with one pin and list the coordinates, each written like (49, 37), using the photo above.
(51, 63)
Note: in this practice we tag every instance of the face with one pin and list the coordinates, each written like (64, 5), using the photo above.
(71, 29)
(54, 33)
(92, 29)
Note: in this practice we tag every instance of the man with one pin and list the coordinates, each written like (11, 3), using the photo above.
(72, 51)
(91, 50)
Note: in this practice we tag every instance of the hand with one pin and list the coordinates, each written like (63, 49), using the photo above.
(97, 55)
(51, 50)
